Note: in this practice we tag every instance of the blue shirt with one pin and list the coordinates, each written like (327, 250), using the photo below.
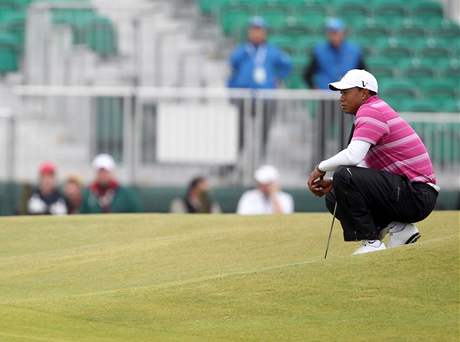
(332, 63)
(246, 58)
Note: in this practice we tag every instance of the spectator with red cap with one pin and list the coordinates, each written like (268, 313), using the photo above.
(46, 199)
(105, 194)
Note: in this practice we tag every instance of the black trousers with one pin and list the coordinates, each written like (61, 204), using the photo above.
(368, 200)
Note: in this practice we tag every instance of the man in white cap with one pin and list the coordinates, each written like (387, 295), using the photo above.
(267, 198)
(384, 180)
(105, 194)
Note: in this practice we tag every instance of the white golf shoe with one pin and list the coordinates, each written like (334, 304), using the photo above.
(402, 234)
(369, 246)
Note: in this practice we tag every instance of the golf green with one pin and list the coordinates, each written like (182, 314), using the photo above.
(222, 278)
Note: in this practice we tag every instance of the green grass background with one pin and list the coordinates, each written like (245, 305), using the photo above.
(222, 278)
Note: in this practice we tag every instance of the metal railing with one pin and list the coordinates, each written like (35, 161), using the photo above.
(164, 136)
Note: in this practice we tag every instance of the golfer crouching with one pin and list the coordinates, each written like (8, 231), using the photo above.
(384, 180)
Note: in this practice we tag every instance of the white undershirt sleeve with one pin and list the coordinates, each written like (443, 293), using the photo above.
(352, 155)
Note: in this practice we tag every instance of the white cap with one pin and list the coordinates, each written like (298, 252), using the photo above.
(104, 161)
(356, 78)
(266, 174)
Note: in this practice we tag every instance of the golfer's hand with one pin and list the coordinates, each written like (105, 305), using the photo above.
(324, 186)
(314, 182)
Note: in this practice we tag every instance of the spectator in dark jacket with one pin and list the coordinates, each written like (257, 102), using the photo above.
(105, 194)
(73, 194)
(196, 200)
(46, 199)
(333, 58)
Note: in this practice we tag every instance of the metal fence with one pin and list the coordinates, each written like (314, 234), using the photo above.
(165, 136)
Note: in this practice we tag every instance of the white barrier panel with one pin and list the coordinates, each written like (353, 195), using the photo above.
(195, 133)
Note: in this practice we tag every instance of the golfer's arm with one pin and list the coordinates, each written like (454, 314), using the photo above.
(352, 155)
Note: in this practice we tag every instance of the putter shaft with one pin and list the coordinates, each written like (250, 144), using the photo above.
(330, 231)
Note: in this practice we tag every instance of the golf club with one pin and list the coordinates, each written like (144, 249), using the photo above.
(330, 231)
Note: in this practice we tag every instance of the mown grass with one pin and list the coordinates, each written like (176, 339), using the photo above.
(222, 278)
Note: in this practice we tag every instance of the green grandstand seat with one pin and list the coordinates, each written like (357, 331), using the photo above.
(389, 7)
(282, 41)
(307, 43)
(411, 31)
(433, 54)
(396, 53)
(257, 5)
(100, 35)
(308, 10)
(418, 105)
(449, 105)
(6, 8)
(210, 6)
(449, 71)
(313, 21)
(279, 5)
(429, 22)
(394, 22)
(14, 23)
(392, 13)
(374, 32)
(351, 10)
(275, 20)
(369, 47)
(416, 43)
(357, 24)
(439, 88)
(295, 28)
(9, 53)
(426, 9)
(8, 59)
(234, 22)
(295, 81)
(381, 67)
(447, 33)
(300, 60)
(397, 89)
(418, 73)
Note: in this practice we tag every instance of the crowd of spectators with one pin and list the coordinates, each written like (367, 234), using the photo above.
(105, 194)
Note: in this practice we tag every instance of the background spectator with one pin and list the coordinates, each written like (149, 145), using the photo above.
(73, 194)
(258, 64)
(267, 198)
(105, 194)
(196, 200)
(46, 199)
(333, 58)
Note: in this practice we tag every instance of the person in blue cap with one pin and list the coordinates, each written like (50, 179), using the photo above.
(332, 59)
(258, 64)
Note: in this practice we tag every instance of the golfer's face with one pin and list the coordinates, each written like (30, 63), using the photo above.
(351, 100)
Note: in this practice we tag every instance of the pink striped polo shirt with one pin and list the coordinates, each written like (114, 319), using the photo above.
(396, 147)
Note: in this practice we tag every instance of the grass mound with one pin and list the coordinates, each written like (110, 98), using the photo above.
(222, 278)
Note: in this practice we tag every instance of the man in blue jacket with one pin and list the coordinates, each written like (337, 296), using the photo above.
(257, 64)
(332, 59)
